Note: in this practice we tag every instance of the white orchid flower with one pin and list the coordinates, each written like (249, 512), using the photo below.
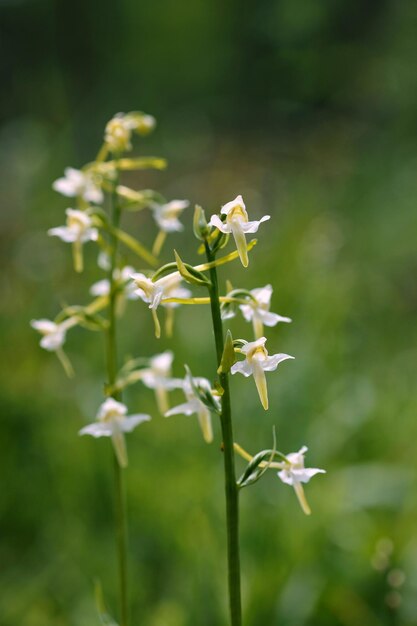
(166, 215)
(53, 335)
(294, 473)
(53, 338)
(257, 310)
(153, 292)
(113, 421)
(195, 405)
(78, 184)
(237, 223)
(256, 363)
(79, 230)
(158, 377)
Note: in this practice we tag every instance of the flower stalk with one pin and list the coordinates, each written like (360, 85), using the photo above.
(120, 504)
(231, 488)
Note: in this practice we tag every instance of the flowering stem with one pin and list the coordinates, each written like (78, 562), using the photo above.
(231, 488)
(121, 522)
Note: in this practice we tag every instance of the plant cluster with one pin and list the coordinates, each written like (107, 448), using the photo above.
(100, 200)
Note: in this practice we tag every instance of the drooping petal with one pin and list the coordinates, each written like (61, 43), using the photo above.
(204, 419)
(238, 232)
(119, 445)
(299, 492)
(260, 381)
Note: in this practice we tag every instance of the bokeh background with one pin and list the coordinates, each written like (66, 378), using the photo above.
(308, 109)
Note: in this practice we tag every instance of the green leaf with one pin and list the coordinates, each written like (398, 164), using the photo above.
(190, 274)
(228, 356)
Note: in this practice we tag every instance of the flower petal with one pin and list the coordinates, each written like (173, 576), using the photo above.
(242, 367)
(97, 429)
(271, 362)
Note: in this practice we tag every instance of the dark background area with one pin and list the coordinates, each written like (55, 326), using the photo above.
(308, 109)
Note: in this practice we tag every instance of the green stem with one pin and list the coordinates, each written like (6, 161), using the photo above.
(231, 488)
(120, 504)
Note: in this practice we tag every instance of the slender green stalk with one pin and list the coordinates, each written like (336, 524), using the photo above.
(231, 488)
(120, 504)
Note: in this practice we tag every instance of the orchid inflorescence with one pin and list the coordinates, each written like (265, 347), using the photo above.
(97, 186)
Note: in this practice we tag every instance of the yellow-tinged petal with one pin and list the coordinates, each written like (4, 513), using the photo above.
(162, 399)
(240, 240)
(204, 419)
(260, 381)
(119, 446)
(298, 488)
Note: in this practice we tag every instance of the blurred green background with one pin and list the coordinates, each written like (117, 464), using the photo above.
(308, 109)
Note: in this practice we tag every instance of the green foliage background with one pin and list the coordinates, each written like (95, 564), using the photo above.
(309, 111)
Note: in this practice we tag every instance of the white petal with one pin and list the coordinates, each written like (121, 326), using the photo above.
(238, 201)
(162, 362)
(100, 288)
(64, 233)
(97, 429)
(247, 311)
(242, 367)
(271, 362)
(130, 422)
(53, 341)
(204, 419)
(271, 319)
(252, 227)
(44, 326)
(253, 345)
(263, 294)
(93, 194)
(217, 223)
(304, 475)
(110, 405)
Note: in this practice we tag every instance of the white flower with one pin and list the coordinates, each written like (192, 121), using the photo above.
(237, 223)
(158, 377)
(257, 310)
(76, 183)
(258, 362)
(79, 228)
(152, 293)
(113, 422)
(166, 215)
(195, 405)
(53, 335)
(294, 473)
